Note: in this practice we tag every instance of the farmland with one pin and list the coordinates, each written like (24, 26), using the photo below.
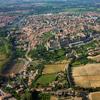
(94, 96)
(52, 72)
(90, 73)
(55, 68)
(53, 98)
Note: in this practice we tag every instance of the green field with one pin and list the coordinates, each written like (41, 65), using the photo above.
(44, 80)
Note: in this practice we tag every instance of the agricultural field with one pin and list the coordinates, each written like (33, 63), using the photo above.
(90, 73)
(53, 98)
(95, 58)
(55, 68)
(94, 96)
(44, 80)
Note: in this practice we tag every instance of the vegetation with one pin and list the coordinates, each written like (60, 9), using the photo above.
(49, 7)
(27, 96)
(36, 64)
(44, 96)
(82, 52)
(46, 36)
(81, 61)
(3, 32)
(19, 53)
(45, 60)
(54, 68)
(5, 52)
(95, 58)
(44, 80)
(49, 56)
(12, 91)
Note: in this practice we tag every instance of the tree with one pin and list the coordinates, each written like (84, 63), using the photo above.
(26, 96)
(44, 96)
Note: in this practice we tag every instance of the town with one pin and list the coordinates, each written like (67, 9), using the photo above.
(51, 56)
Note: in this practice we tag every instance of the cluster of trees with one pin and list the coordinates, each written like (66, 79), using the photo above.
(19, 53)
(5, 46)
(35, 96)
(81, 61)
(49, 56)
(3, 32)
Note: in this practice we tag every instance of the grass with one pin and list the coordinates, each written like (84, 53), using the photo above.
(44, 80)
(50, 72)
(55, 68)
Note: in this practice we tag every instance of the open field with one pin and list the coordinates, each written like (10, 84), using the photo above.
(90, 73)
(94, 96)
(55, 68)
(46, 79)
(95, 58)
(53, 98)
